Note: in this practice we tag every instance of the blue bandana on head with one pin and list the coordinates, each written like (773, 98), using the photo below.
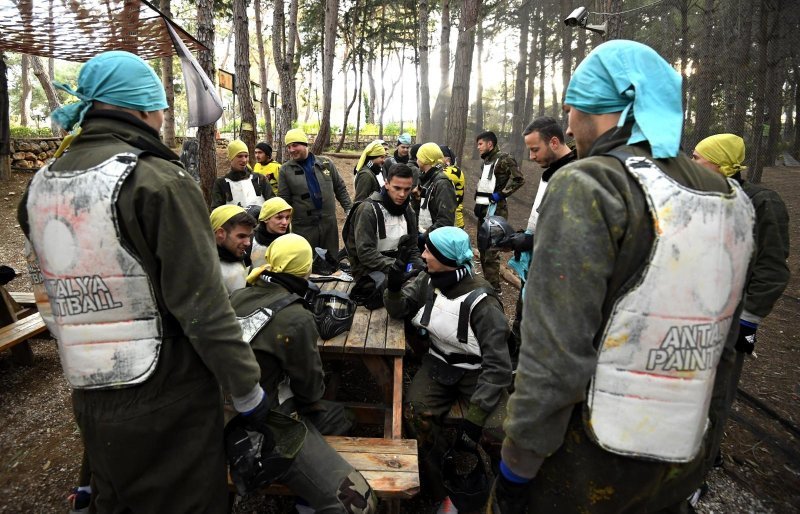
(453, 244)
(116, 78)
(626, 76)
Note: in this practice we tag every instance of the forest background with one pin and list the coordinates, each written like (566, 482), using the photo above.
(446, 70)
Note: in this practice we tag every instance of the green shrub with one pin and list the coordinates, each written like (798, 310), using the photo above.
(28, 132)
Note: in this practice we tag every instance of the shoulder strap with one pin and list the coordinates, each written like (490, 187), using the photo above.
(379, 217)
(254, 322)
(348, 223)
(465, 312)
(429, 301)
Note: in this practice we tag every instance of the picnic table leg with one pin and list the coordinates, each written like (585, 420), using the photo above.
(380, 369)
(21, 353)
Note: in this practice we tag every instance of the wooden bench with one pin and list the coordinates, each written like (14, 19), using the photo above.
(18, 325)
(23, 298)
(390, 466)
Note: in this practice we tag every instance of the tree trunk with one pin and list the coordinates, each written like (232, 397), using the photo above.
(566, 54)
(520, 80)
(706, 75)
(168, 79)
(439, 115)
(25, 92)
(462, 70)
(424, 110)
(247, 131)
(206, 133)
(5, 126)
(479, 94)
(47, 86)
(554, 106)
(262, 74)
(360, 95)
(349, 106)
(545, 28)
(740, 59)
(51, 74)
(283, 51)
(531, 70)
(369, 99)
(759, 98)
(329, 47)
(795, 150)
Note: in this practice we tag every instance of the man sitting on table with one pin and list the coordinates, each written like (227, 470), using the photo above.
(468, 358)
(383, 227)
(232, 228)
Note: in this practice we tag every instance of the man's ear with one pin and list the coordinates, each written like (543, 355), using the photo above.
(554, 142)
(219, 235)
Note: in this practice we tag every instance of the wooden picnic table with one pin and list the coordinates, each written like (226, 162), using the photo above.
(379, 342)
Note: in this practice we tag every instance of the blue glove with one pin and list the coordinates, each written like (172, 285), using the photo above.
(496, 197)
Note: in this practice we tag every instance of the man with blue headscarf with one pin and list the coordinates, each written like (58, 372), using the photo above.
(145, 331)
(467, 360)
(640, 261)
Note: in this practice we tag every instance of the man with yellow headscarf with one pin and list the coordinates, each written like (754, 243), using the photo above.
(438, 203)
(724, 153)
(240, 186)
(233, 232)
(311, 184)
(285, 346)
(369, 171)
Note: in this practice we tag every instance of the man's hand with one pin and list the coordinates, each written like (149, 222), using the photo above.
(746, 342)
(518, 241)
(256, 420)
(507, 497)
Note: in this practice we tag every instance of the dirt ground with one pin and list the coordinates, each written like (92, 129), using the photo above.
(41, 449)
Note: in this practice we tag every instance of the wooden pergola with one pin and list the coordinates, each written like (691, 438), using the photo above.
(77, 31)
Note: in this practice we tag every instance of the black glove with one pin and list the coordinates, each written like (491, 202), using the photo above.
(507, 497)
(396, 276)
(518, 241)
(403, 251)
(746, 342)
(480, 212)
(256, 420)
(469, 434)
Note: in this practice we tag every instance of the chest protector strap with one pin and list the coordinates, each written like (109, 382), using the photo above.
(254, 322)
(660, 347)
(104, 311)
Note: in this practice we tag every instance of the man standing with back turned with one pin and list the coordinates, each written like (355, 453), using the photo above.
(640, 259)
(145, 340)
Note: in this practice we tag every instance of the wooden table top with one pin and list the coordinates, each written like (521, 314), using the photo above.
(373, 332)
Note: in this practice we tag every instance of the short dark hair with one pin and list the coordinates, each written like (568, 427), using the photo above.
(399, 170)
(547, 127)
(240, 219)
(487, 136)
(412, 152)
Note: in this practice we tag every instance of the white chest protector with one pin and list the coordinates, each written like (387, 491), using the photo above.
(37, 284)
(390, 228)
(258, 253)
(534, 217)
(658, 356)
(486, 184)
(234, 275)
(381, 180)
(244, 192)
(105, 314)
(425, 220)
(447, 322)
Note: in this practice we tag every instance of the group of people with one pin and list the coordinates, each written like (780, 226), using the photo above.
(645, 277)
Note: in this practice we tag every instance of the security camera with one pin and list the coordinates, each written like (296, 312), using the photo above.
(577, 17)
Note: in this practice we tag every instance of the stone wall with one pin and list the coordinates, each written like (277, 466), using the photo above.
(31, 154)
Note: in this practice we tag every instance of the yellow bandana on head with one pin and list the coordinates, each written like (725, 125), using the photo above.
(295, 136)
(289, 253)
(724, 150)
(236, 147)
(222, 214)
(430, 154)
(272, 207)
(374, 149)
